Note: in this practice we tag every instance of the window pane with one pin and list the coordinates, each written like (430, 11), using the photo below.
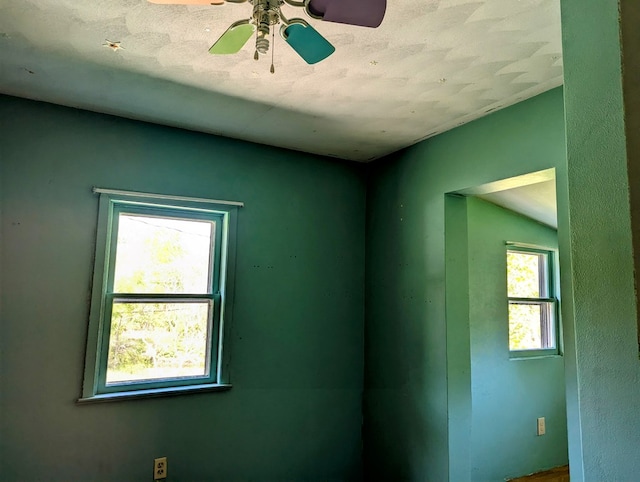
(531, 326)
(525, 275)
(151, 341)
(162, 255)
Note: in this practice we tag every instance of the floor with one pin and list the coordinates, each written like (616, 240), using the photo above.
(559, 474)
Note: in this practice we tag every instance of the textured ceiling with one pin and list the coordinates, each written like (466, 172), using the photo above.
(430, 66)
(533, 195)
(536, 201)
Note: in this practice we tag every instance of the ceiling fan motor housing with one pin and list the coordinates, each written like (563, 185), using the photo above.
(265, 14)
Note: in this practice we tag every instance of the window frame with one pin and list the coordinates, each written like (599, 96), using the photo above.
(552, 298)
(220, 287)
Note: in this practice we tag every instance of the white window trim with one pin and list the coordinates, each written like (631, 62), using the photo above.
(108, 199)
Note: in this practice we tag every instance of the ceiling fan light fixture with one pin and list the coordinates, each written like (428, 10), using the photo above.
(302, 37)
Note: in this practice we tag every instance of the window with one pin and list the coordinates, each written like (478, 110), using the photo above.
(161, 299)
(532, 305)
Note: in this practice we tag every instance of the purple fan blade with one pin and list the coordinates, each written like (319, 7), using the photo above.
(366, 13)
(318, 7)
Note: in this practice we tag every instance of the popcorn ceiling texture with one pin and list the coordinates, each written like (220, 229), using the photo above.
(430, 66)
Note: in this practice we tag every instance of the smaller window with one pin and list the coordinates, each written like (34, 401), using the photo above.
(532, 304)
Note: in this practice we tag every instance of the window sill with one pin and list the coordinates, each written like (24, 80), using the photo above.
(153, 393)
(518, 356)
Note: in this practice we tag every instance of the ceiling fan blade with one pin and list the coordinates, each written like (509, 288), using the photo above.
(306, 41)
(234, 38)
(365, 13)
(188, 2)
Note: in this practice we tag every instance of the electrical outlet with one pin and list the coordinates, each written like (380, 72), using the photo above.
(542, 429)
(160, 468)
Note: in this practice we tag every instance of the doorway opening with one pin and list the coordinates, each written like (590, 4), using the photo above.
(507, 406)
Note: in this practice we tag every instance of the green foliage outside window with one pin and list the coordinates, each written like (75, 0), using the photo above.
(163, 339)
(531, 307)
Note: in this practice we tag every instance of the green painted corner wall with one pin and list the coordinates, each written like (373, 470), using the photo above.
(604, 426)
(417, 367)
(507, 395)
(294, 412)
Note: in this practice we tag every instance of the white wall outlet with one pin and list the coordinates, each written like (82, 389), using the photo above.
(160, 468)
(542, 428)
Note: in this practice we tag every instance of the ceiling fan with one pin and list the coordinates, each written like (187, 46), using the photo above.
(302, 37)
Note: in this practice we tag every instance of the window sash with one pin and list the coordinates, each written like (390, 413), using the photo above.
(548, 323)
(212, 343)
(215, 248)
(545, 269)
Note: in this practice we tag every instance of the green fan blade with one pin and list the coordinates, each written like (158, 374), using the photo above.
(233, 39)
(307, 42)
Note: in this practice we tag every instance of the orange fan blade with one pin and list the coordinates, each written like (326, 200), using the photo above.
(188, 2)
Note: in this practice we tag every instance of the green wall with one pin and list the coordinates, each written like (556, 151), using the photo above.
(417, 371)
(604, 425)
(294, 412)
(507, 395)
